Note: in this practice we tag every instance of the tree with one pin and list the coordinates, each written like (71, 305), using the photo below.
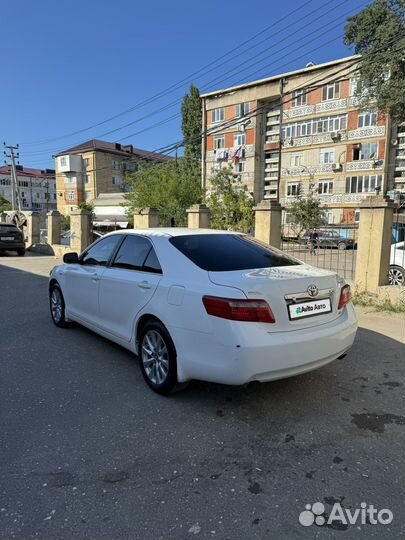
(191, 112)
(229, 202)
(4, 205)
(170, 187)
(306, 213)
(378, 33)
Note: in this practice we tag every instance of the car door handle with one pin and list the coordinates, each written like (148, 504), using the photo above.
(145, 285)
(95, 277)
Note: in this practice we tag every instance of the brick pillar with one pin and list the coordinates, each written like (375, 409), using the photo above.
(268, 222)
(80, 228)
(53, 227)
(146, 218)
(32, 227)
(198, 217)
(374, 244)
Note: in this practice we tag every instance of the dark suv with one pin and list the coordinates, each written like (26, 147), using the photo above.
(11, 238)
(330, 239)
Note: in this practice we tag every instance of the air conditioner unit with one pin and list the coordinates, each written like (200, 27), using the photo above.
(394, 142)
(335, 136)
(241, 127)
(336, 166)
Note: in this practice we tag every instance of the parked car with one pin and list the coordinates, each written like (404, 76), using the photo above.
(329, 239)
(397, 264)
(202, 304)
(12, 239)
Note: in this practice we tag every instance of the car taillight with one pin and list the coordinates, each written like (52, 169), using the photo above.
(239, 310)
(345, 296)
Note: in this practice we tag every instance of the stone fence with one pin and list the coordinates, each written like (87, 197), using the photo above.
(373, 249)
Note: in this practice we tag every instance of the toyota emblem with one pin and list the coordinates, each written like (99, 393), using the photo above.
(312, 290)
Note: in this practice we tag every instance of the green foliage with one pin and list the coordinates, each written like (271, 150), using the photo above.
(229, 202)
(385, 304)
(64, 223)
(378, 33)
(170, 187)
(191, 125)
(86, 206)
(4, 205)
(306, 213)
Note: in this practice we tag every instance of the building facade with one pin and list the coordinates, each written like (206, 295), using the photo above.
(304, 131)
(36, 187)
(94, 167)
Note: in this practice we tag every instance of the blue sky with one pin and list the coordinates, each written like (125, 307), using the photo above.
(69, 65)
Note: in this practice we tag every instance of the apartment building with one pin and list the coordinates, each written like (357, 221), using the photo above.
(36, 187)
(93, 167)
(328, 146)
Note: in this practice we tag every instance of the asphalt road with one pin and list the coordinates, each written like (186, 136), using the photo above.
(88, 451)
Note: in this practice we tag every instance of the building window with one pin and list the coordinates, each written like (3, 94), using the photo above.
(116, 165)
(86, 162)
(357, 215)
(71, 196)
(296, 160)
(241, 109)
(116, 180)
(239, 139)
(219, 142)
(299, 97)
(293, 189)
(363, 184)
(217, 115)
(315, 126)
(331, 91)
(365, 151)
(325, 187)
(327, 155)
(367, 118)
(87, 179)
(272, 155)
(240, 167)
(62, 162)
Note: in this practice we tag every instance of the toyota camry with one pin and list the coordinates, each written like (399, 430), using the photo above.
(204, 304)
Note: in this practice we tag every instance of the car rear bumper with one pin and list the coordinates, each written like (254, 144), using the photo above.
(275, 356)
(11, 245)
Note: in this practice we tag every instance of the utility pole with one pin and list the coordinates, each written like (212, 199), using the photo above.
(13, 155)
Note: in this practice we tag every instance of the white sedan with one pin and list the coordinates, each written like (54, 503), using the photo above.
(204, 304)
(397, 264)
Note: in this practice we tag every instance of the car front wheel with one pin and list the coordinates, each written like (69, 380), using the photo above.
(21, 252)
(57, 306)
(158, 357)
(396, 275)
(341, 245)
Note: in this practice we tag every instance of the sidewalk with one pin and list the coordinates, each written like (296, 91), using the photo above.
(384, 322)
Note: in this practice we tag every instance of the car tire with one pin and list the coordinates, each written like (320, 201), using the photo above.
(57, 306)
(342, 246)
(396, 275)
(158, 358)
(21, 252)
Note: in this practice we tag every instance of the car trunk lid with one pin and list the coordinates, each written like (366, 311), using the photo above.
(311, 291)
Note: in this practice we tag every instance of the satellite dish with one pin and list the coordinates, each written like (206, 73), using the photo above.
(310, 64)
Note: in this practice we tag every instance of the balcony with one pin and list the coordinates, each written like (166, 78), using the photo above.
(69, 163)
(249, 151)
(332, 105)
(363, 133)
(294, 112)
(366, 165)
(313, 139)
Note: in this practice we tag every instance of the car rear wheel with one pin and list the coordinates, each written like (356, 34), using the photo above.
(57, 306)
(158, 357)
(21, 252)
(342, 245)
(396, 275)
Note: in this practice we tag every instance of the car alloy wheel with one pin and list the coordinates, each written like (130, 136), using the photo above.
(155, 357)
(57, 306)
(396, 276)
(158, 358)
(341, 245)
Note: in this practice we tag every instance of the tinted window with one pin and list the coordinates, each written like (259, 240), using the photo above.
(226, 252)
(152, 264)
(133, 253)
(100, 253)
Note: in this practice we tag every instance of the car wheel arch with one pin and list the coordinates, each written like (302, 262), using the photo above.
(143, 319)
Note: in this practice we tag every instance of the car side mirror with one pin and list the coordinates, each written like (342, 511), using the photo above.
(70, 258)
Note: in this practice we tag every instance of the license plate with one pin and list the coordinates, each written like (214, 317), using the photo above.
(309, 309)
(7, 238)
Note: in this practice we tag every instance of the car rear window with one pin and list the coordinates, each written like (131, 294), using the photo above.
(227, 252)
(7, 227)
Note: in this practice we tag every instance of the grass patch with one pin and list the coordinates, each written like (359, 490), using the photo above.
(379, 304)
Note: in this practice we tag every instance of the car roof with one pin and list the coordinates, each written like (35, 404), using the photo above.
(8, 224)
(172, 231)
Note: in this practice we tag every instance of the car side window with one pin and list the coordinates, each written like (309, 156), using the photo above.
(136, 253)
(100, 253)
